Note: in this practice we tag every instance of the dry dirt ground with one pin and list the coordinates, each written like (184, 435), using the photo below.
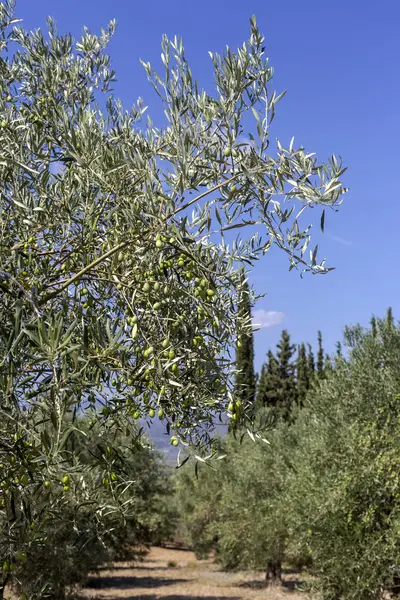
(174, 574)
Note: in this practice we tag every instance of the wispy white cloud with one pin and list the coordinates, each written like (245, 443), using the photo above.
(340, 240)
(267, 318)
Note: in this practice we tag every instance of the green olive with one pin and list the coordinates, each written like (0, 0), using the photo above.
(148, 351)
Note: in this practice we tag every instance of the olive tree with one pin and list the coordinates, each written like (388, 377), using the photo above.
(119, 270)
(344, 506)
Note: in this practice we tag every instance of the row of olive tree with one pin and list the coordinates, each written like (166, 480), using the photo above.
(324, 493)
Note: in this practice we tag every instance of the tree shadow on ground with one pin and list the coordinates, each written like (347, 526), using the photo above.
(171, 546)
(130, 582)
(133, 568)
(290, 586)
(180, 597)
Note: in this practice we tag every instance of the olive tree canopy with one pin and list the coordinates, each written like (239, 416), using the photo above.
(120, 269)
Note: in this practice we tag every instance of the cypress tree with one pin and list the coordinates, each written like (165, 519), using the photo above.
(389, 317)
(262, 385)
(267, 391)
(374, 330)
(328, 364)
(245, 384)
(302, 374)
(320, 356)
(311, 362)
(277, 387)
(286, 370)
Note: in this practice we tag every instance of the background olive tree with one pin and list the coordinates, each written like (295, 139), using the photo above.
(118, 286)
(344, 501)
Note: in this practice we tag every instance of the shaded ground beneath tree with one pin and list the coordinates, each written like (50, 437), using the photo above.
(172, 574)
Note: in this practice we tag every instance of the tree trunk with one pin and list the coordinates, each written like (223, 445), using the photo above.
(273, 573)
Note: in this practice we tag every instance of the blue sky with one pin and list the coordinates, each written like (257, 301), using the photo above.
(339, 62)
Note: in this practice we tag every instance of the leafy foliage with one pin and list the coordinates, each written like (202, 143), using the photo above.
(239, 508)
(324, 492)
(96, 515)
(345, 493)
(118, 286)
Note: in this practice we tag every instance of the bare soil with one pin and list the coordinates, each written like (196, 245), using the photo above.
(176, 574)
